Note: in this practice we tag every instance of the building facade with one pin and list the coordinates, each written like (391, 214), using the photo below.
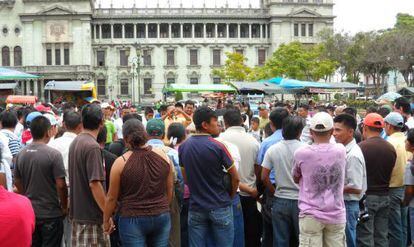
(133, 53)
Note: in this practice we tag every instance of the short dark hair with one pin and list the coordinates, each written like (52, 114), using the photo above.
(292, 127)
(378, 130)
(176, 130)
(277, 116)
(163, 108)
(134, 133)
(256, 120)
(178, 104)
(304, 106)
(92, 116)
(148, 110)
(410, 136)
(403, 103)
(9, 119)
(131, 116)
(233, 117)
(102, 135)
(350, 110)
(39, 127)
(346, 119)
(189, 102)
(384, 111)
(203, 114)
(72, 119)
(372, 109)
(268, 130)
(68, 106)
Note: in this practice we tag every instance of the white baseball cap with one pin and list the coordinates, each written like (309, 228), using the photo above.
(321, 122)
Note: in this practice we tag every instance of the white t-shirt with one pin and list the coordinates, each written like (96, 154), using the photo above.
(118, 127)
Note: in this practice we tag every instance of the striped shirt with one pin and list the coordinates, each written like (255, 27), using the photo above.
(14, 144)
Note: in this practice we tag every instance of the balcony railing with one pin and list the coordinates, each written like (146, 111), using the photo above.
(252, 12)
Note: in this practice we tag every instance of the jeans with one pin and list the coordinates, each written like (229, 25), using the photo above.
(352, 213)
(411, 211)
(374, 231)
(184, 223)
(252, 221)
(267, 237)
(67, 233)
(145, 230)
(314, 233)
(238, 222)
(48, 232)
(206, 224)
(285, 219)
(397, 219)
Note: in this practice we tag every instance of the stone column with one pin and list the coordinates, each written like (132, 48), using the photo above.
(146, 30)
(181, 30)
(35, 89)
(112, 31)
(238, 30)
(158, 30)
(193, 30)
(28, 87)
(261, 31)
(123, 31)
(100, 31)
(42, 89)
(215, 30)
(135, 31)
(169, 30)
(227, 30)
(250, 31)
(205, 30)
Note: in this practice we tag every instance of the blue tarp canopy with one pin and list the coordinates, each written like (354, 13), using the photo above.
(296, 84)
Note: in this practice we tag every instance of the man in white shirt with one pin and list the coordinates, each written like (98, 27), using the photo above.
(403, 106)
(249, 148)
(72, 122)
(118, 122)
(355, 173)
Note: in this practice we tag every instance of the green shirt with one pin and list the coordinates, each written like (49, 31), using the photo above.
(263, 122)
(110, 131)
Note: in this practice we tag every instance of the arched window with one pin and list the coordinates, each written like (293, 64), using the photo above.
(5, 56)
(17, 56)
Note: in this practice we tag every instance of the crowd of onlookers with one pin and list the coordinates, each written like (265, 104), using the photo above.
(187, 175)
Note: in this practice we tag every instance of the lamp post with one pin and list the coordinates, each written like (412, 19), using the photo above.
(136, 62)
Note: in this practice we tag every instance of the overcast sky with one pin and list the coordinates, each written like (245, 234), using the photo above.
(351, 15)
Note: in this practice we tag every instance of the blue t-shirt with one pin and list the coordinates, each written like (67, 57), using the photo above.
(204, 159)
(265, 145)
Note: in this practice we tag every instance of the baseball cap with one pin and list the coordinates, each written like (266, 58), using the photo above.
(374, 120)
(105, 105)
(51, 118)
(155, 127)
(32, 116)
(321, 122)
(42, 108)
(395, 119)
(263, 107)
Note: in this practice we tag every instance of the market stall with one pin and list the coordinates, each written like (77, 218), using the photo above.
(79, 92)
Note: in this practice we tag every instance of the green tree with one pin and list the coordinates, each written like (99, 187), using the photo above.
(295, 60)
(336, 46)
(234, 68)
(404, 21)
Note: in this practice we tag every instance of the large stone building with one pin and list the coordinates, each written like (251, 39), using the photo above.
(81, 40)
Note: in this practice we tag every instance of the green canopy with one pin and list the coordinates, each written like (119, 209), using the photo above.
(9, 74)
(198, 88)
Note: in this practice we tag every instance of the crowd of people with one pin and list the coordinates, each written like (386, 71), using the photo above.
(187, 175)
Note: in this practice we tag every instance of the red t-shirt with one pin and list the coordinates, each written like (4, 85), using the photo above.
(17, 220)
